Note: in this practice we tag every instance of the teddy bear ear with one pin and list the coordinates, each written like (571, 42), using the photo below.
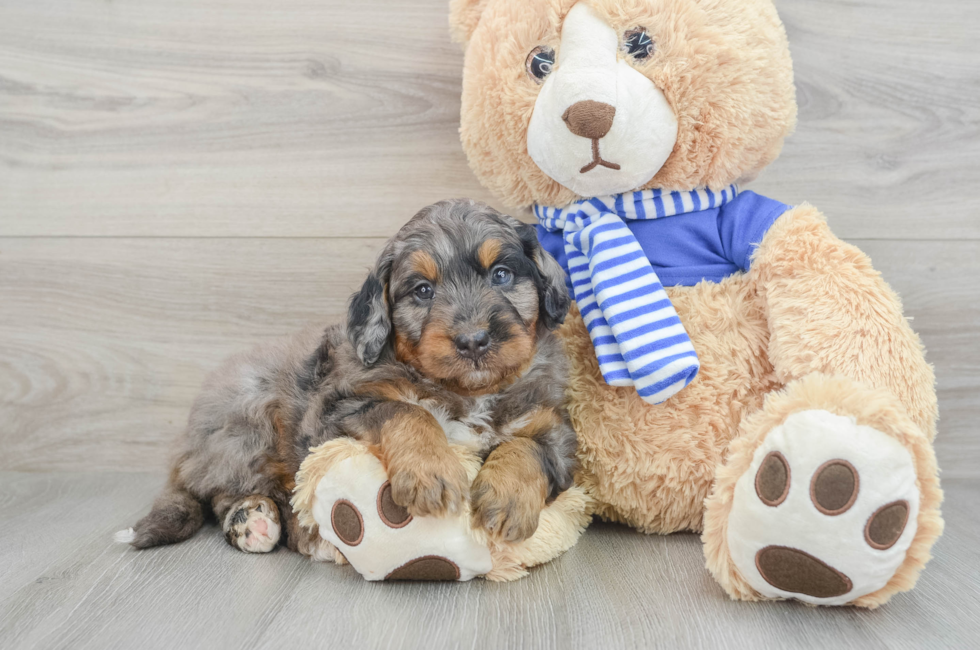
(464, 16)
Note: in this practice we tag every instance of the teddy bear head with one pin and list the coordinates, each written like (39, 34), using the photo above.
(569, 99)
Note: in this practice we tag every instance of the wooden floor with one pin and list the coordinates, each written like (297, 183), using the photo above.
(64, 587)
(181, 179)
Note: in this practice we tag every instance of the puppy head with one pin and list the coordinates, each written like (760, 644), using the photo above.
(460, 294)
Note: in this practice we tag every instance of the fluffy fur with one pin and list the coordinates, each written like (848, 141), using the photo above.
(812, 325)
(723, 66)
(395, 377)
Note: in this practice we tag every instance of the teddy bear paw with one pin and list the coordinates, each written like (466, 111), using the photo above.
(826, 511)
(357, 513)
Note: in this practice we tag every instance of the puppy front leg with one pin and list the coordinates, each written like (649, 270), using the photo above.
(522, 474)
(509, 492)
(426, 476)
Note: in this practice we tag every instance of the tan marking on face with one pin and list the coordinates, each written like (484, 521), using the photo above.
(405, 350)
(436, 352)
(436, 357)
(515, 352)
(423, 264)
(488, 252)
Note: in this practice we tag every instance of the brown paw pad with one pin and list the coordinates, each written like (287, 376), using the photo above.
(834, 487)
(347, 522)
(392, 514)
(429, 567)
(772, 479)
(886, 525)
(794, 571)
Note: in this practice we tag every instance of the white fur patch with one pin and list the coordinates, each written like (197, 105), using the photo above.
(643, 130)
(807, 440)
(127, 536)
(516, 425)
(473, 431)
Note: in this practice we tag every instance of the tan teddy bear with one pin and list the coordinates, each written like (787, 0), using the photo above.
(737, 369)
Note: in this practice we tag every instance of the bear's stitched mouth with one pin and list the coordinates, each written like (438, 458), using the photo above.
(597, 160)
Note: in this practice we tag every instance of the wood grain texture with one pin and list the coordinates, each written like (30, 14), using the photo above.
(241, 118)
(226, 117)
(182, 179)
(104, 342)
(67, 586)
(889, 128)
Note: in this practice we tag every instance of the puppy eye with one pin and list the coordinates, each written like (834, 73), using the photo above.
(638, 44)
(540, 62)
(424, 291)
(501, 275)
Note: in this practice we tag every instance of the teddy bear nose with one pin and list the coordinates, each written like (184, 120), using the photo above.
(589, 119)
(473, 346)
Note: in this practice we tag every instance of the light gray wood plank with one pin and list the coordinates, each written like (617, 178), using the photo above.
(889, 128)
(236, 117)
(226, 117)
(104, 342)
(615, 589)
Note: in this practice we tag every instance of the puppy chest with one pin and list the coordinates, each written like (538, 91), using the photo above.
(468, 425)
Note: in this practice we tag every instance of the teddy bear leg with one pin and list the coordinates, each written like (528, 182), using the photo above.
(829, 495)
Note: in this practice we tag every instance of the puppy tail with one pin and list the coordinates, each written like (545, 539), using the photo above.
(176, 516)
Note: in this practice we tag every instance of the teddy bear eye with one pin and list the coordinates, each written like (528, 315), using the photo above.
(638, 44)
(540, 62)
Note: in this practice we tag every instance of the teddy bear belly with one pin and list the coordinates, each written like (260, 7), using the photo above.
(651, 466)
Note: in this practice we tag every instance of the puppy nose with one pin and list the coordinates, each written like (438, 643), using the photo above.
(474, 345)
(589, 119)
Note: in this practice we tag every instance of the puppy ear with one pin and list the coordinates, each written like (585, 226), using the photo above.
(552, 290)
(464, 16)
(369, 317)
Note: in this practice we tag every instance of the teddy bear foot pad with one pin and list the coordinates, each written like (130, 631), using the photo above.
(826, 511)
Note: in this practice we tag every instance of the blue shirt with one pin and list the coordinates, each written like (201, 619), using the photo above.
(685, 249)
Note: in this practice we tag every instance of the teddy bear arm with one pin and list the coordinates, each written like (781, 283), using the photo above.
(830, 312)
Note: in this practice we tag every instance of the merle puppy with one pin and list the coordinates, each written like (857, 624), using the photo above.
(449, 340)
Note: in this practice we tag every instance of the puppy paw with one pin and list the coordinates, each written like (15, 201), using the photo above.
(252, 525)
(507, 513)
(429, 485)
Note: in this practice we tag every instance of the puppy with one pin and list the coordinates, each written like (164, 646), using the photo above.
(448, 340)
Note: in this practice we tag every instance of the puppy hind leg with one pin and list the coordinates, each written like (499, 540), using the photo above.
(251, 524)
(176, 515)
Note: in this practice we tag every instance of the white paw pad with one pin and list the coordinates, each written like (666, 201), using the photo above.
(253, 526)
(825, 512)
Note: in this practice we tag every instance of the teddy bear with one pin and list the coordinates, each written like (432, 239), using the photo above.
(342, 498)
(737, 370)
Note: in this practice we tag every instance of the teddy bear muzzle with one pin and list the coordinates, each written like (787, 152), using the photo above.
(591, 119)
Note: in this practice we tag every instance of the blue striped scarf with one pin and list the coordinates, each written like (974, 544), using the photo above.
(639, 339)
